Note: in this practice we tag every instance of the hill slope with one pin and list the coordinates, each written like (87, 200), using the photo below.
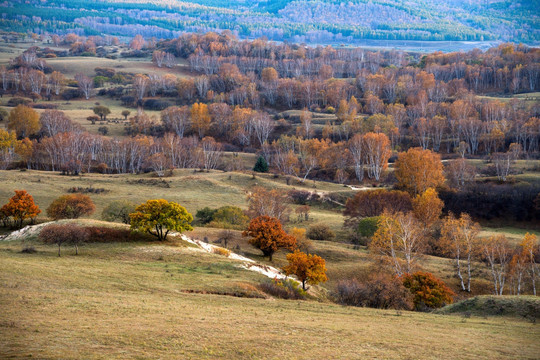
(120, 301)
(313, 21)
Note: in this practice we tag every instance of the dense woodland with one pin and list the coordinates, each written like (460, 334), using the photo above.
(321, 21)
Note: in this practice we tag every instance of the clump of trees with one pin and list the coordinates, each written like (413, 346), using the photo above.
(60, 234)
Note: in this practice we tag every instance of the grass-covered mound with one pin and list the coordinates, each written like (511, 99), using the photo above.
(527, 307)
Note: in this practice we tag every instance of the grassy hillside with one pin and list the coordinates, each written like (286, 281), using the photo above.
(120, 301)
(525, 307)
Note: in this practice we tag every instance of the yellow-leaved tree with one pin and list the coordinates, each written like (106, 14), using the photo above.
(417, 170)
(427, 207)
(24, 121)
(159, 217)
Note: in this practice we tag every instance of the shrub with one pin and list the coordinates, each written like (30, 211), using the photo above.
(320, 232)
(70, 207)
(70, 94)
(127, 100)
(283, 289)
(368, 226)
(87, 190)
(300, 197)
(118, 211)
(221, 251)
(156, 104)
(229, 217)
(428, 291)
(4, 114)
(105, 72)
(103, 130)
(100, 234)
(64, 234)
(16, 101)
(374, 202)
(380, 291)
(205, 215)
(28, 250)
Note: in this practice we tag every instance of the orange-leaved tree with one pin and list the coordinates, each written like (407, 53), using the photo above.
(71, 206)
(308, 268)
(21, 207)
(417, 170)
(268, 236)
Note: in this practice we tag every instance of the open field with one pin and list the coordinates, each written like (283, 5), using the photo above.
(192, 189)
(119, 301)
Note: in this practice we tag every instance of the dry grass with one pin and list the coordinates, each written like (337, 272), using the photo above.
(130, 301)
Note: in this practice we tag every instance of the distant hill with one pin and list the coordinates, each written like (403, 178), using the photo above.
(310, 21)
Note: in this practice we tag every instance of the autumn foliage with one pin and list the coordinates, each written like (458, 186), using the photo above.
(268, 236)
(417, 170)
(427, 207)
(373, 203)
(60, 234)
(308, 268)
(428, 291)
(71, 206)
(159, 217)
(21, 207)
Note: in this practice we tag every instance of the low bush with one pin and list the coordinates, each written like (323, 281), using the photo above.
(320, 232)
(101, 234)
(300, 197)
(28, 250)
(221, 251)
(205, 215)
(15, 101)
(380, 291)
(86, 190)
(283, 289)
(428, 291)
(44, 106)
(156, 104)
(229, 217)
(118, 210)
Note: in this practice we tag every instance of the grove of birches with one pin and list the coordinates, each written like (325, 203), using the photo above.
(404, 129)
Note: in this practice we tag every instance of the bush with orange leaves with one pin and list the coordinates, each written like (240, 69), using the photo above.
(428, 291)
(71, 206)
(268, 236)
